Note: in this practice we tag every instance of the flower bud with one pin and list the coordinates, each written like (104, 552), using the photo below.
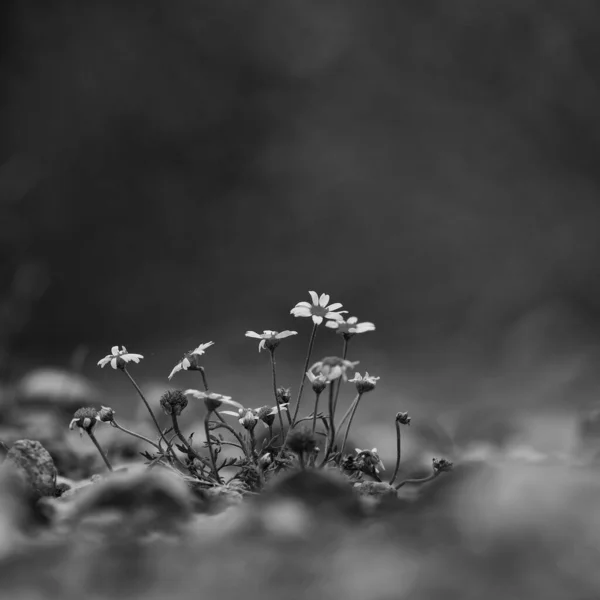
(249, 420)
(284, 395)
(173, 402)
(403, 418)
(106, 414)
(266, 415)
(441, 465)
(85, 419)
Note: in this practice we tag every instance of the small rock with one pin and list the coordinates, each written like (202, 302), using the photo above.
(37, 464)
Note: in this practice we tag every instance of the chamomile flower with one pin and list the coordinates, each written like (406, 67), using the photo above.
(190, 360)
(364, 384)
(319, 382)
(269, 339)
(333, 367)
(267, 413)
(318, 310)
(85, 419)
(350, 327)
(119, 358)
(212, 399)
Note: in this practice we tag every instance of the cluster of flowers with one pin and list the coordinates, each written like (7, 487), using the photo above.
(285, 443)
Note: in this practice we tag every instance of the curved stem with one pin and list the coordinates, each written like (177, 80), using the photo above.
(134, 434)
(213, 460)
(182, 437)
(348, 412)
(204, 381)
(306, 363)
(141, 394)
(357, 400)
(423, 480)
(331, 438)
(102, 453)
(274, 377)
(398, 451)
(237, 436)
(314, 419)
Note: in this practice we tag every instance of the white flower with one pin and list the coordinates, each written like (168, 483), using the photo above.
(190, 360)
(350, 327)
(318, 310)
(212, 399)
(319, 382)
(258, 413)
(118, 358)
(366, 383)
(332, 367)
(269, 339)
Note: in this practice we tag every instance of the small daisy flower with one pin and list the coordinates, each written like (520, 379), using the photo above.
(212, 399)
(119, 358)
(190, 360)
(364, 384)
(85, 419)
(350, 327)
(269, 339)
(267, 413)
(318, 310)
(333, 367)
(319, 382)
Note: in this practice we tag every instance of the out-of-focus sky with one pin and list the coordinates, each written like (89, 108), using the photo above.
(183, 171)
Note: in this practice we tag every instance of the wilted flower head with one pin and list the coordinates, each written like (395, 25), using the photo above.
(190, 361)
(441, 465)
(284, 395)
(350, 327)
(333, 367)
(364, 384)
(212, 400)
(319, 382)
(318, 310)
(403, 418)
(267, 413)
(119, 358)
(249, 420)
(85, 419)
(269, 339)
(301, 440)
(173, 402)
(106, 414)
(368, 460)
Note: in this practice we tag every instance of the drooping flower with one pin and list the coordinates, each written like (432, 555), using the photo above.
(270, 339)
(319, 382)
(106, 414)
(212, 400)
(119, 358)
(333, 367)
(364, 384)
(368, 460)
(350, 327)
(190, 361)
(84, 418)
(318, 310)
(267, 413)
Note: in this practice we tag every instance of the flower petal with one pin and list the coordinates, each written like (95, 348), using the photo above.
(334, 315)
(317, 320)
(261, 346)
(114, 350)
(253, 334)
(334, 306)
(104, 361)
(176, 369)
(332, 324)
(351, 320)
(314, 298)
(301, 312)
(283, 334)
(186, 364)
(304, 304)
(113, 362)
(323, 300)
(229, 412)
(366, 326)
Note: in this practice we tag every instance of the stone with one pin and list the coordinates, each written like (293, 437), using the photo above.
(35, 462)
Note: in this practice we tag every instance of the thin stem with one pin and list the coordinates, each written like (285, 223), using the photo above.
(213, 460)
(238, 437)
(270, 431)
(331, 438)
(141, 394)
(301, 459)
(339, 383)
(314, 420)
(423, 480)
(204, 381)
(182, 437)
(306, 363)
(358, 397)
(348, 413)
(398, 451)
(102, 453)
(134, 434)
(273, 372)
(253, 445)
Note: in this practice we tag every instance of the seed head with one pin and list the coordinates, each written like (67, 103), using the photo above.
(249, 420)
(403, 418)
(441, 465)
(173, 402)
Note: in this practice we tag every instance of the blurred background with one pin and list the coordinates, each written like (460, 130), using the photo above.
(178, 172)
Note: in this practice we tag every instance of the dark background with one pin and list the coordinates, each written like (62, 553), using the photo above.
(178, 172)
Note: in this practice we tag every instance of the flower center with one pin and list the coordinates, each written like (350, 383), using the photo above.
(318, 311)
